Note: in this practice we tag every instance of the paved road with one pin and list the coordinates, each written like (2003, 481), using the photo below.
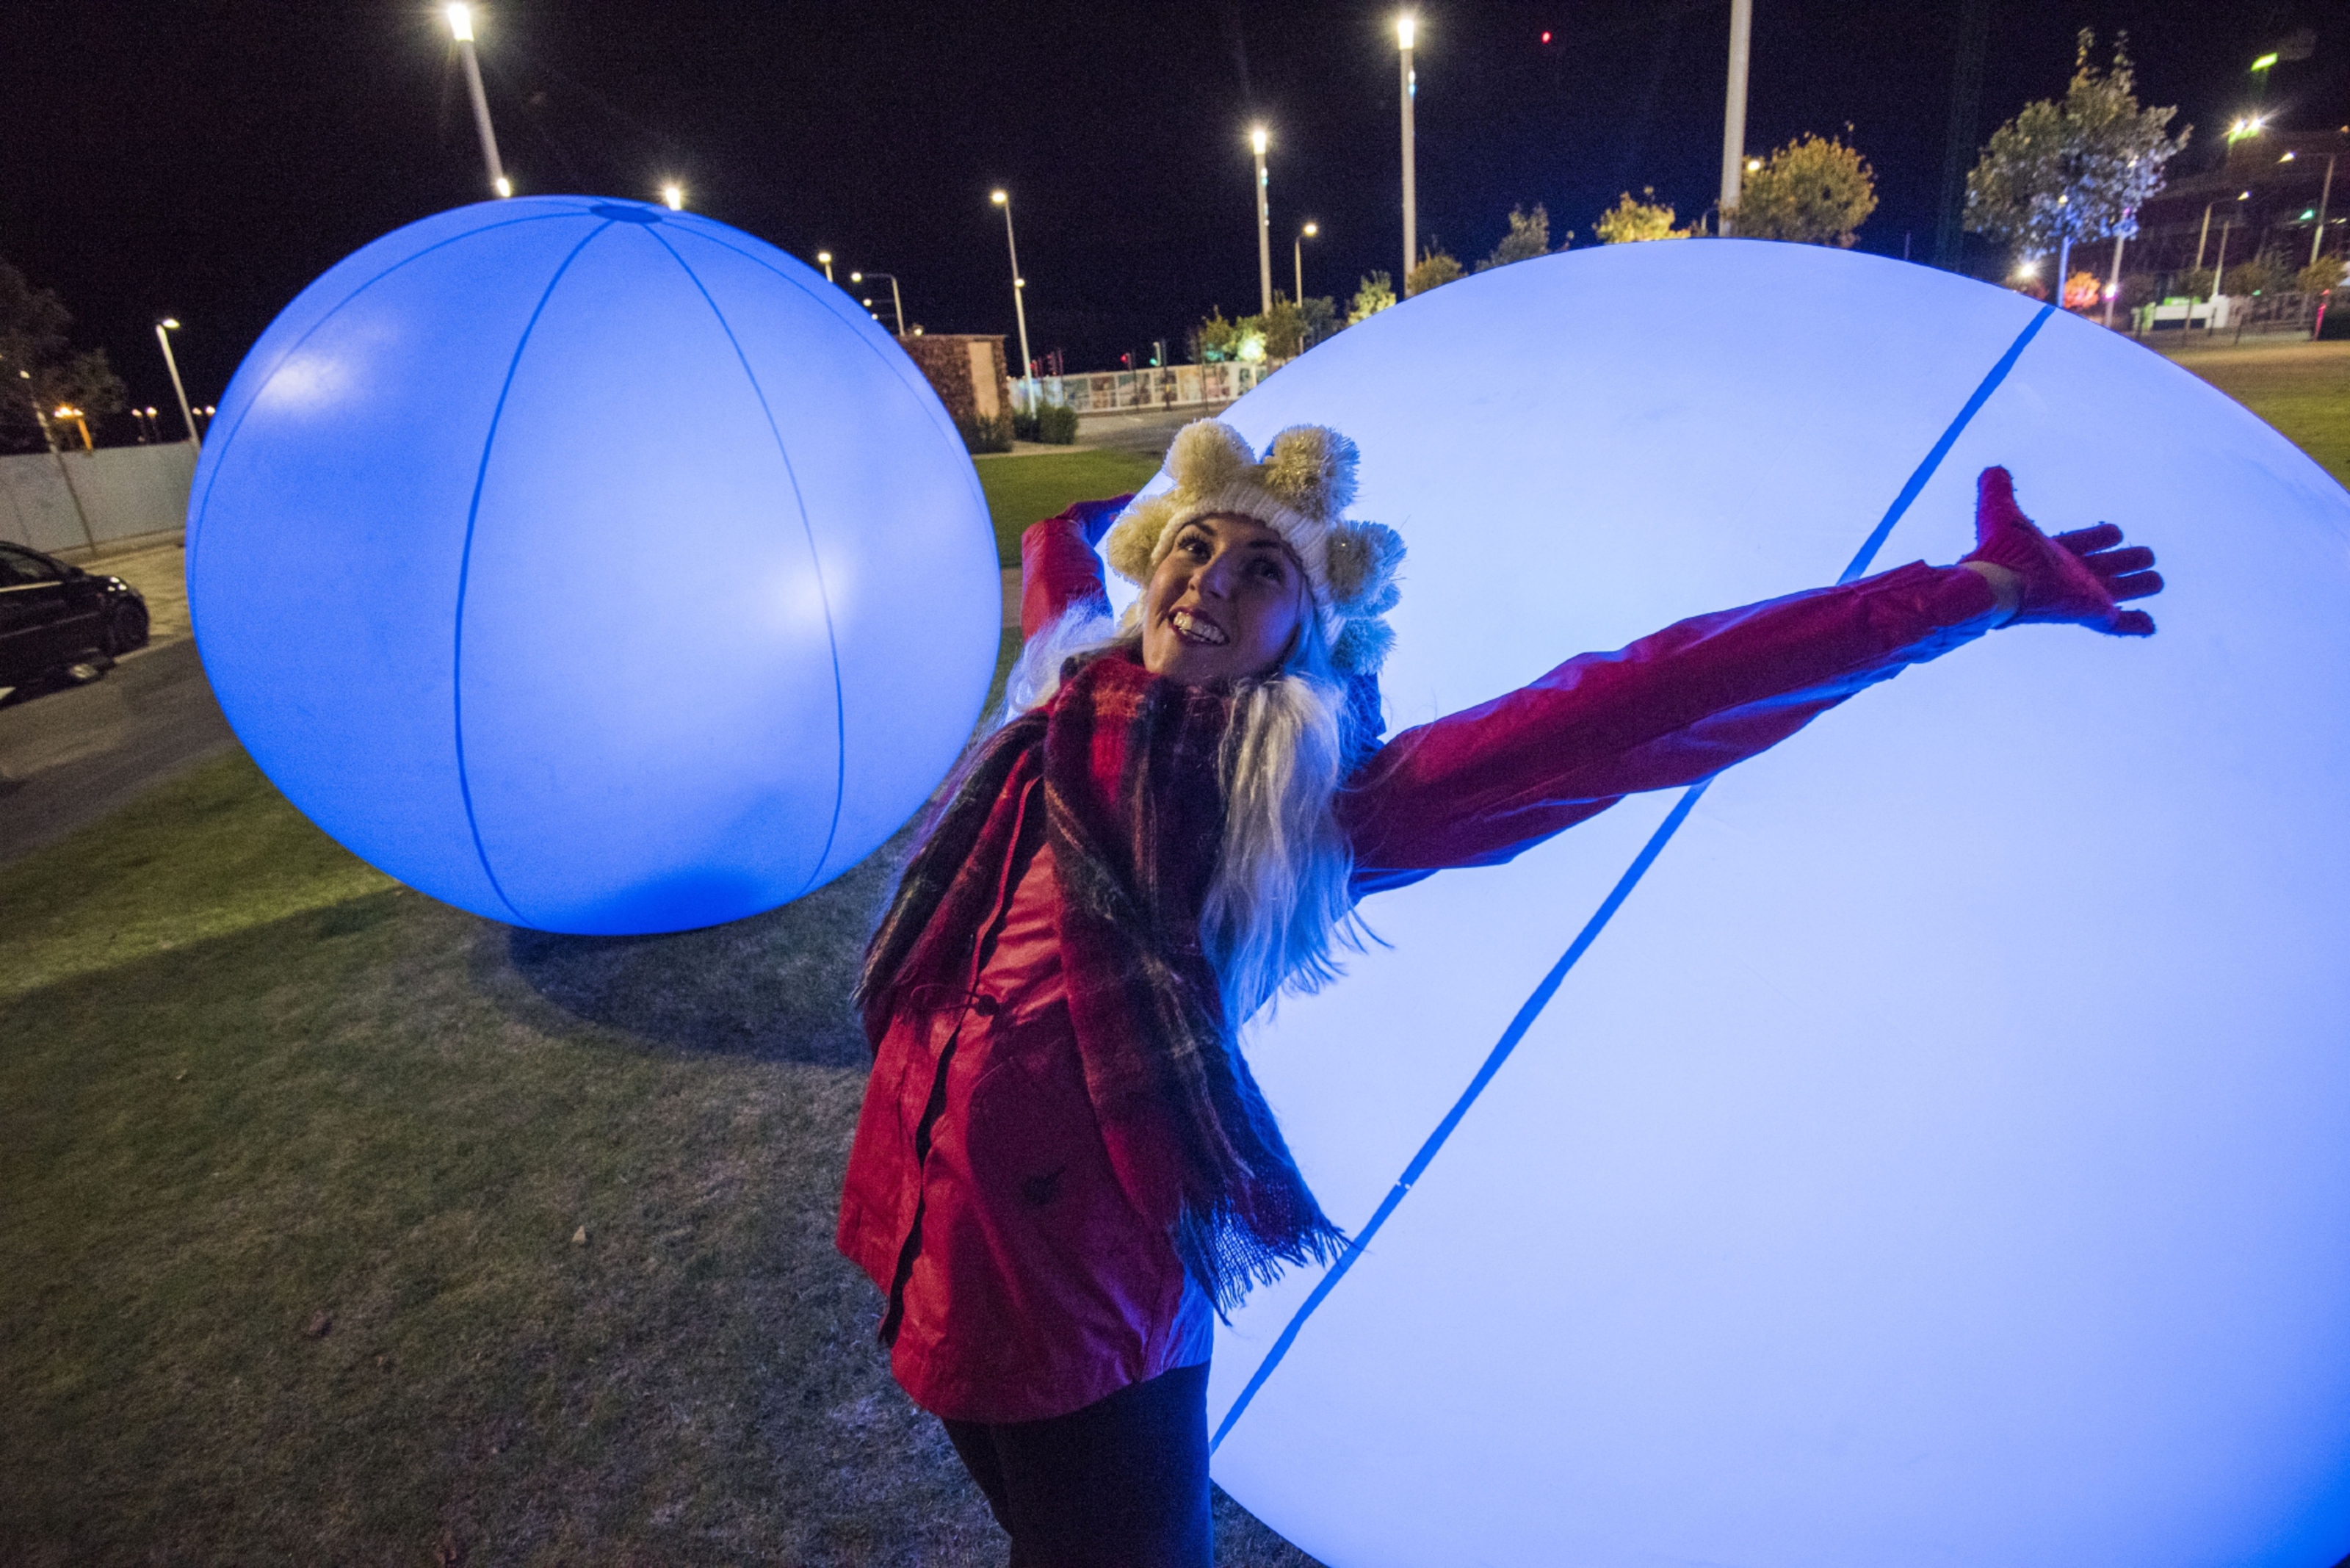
(67, 757)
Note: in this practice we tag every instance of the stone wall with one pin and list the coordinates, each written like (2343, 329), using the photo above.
(967, 369)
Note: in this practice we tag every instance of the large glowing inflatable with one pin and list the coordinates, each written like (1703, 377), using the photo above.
(1931, 1145)
(592, 566)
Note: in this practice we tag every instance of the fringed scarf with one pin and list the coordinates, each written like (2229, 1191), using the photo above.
(1134, 812)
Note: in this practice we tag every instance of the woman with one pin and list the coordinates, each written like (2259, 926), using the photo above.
(1063, 1169)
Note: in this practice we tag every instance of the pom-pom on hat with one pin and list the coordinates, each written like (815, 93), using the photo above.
(1300, 490)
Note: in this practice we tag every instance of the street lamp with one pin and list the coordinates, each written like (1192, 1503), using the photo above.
(675, 196)
(1406, 27)
(1297, 254)
(1733, 112)
(164, 330)
(824, 260)
(460, 28)
(2325, 195)
(1019, 285)
(2219, 272)
(1264, 219)
(896, 302)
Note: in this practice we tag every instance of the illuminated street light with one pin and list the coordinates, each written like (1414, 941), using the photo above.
(675, 196)
(1019, 285)
(1406, 28)
(824, 260)
(1297, 254)
(1263, 221)
(2247, 125)
(2325, 198)
(897, 303)
(460, 28)
(164, 330)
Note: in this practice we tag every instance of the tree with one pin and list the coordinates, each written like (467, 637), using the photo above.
(1437, 267)
(1529, 237)
(1321, 313)
(2319, 276)
(33, 326)
(2082, 291)
(2060, 173)
(1376, 293)
(1814, 191)
(1214, 339)
(2266, 273)
(1285, 328)
(1644, 220)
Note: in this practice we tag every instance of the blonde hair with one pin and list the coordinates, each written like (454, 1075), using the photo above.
(1280, 906)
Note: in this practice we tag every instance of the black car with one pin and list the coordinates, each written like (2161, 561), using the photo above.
(54, 615)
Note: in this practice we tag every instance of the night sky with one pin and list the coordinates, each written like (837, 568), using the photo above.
(209, 159)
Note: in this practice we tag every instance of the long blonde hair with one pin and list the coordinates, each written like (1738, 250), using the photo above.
(1279, 907)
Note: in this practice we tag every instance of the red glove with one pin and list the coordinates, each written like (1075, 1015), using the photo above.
(2078, 578)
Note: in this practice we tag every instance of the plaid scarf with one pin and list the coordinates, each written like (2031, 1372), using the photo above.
(1134, 812)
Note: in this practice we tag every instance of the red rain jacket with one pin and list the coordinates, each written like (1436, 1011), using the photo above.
(1021, 1281)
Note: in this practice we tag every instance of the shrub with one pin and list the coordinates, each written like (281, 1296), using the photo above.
(2319, 276)
(1629, 222)
(1437, 267)
(2195, 283)
(981, 434)
(1057, 424)
(1376, 293)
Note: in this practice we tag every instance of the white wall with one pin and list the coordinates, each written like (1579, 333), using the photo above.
(123, 491)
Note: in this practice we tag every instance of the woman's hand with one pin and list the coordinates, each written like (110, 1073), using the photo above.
(2078, 578)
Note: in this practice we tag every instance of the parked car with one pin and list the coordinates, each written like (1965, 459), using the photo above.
(54, 615)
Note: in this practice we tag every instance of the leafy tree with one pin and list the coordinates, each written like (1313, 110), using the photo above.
(2080, 170)
(1376, 293)
(33, 326)
(1815, 191)
(2082, 291)
(1321, 314)
(1644, 220)
(1529, 237)
(2264, 274)
(1437, 267)
(1214, 339)
(2319, 276)
(1285, 328)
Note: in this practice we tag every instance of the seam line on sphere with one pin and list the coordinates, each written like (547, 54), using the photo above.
(1941, 448)
(465, 569)
(916, 385)
(1540, 998)
(1527, 1012)
(204, 503)
(815, 564)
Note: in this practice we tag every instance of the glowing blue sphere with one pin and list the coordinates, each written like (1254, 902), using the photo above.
(591, 566)
(1940, 1157)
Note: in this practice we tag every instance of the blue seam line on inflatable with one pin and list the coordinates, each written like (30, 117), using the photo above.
(236, 423)
(1534, 1003)
(465, 568)
(823, 595)
(1875, 541)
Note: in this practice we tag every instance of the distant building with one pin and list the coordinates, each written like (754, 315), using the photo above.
(2258, 199)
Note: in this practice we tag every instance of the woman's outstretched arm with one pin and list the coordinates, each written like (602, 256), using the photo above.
(1059, 568)
(1475, 788)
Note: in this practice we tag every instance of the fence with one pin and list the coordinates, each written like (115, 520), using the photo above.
(76, 501)
(1177, 386)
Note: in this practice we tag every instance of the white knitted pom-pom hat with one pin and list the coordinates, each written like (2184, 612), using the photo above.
(1299, 490)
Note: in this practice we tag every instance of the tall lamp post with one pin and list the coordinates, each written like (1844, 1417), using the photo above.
(164, 330)
(2324, 196)
(1263, 221)
(1297, 254)
(1019, 285)
(1406, 28)
(895, 302)
(460, 28)
(1734, 113)
(824, 260)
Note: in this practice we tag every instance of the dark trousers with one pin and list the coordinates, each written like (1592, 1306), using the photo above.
(1122, 1483)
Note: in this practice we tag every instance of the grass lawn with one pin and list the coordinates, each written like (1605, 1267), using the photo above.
(1020, 490)
(341, 1226)
(2303, 389)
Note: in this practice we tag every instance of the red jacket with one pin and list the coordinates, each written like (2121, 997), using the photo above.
(1021, 1283)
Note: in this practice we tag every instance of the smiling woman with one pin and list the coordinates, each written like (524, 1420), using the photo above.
(1064, 1167)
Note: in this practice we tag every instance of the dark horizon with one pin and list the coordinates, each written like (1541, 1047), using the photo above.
(209, 160)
